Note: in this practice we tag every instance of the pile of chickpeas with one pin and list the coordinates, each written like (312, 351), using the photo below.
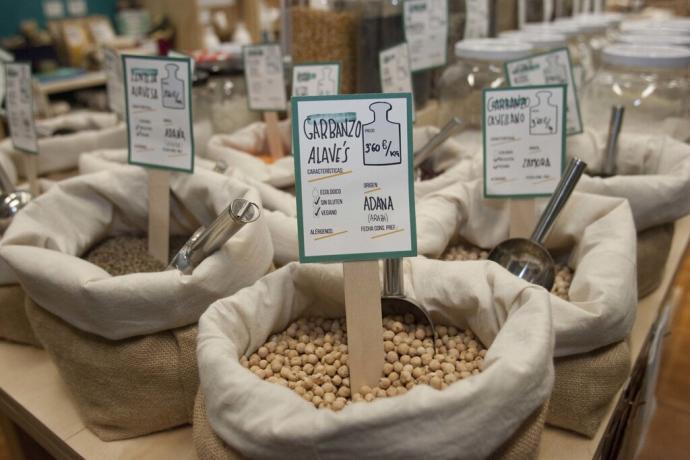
(310, 358)
(561, 285)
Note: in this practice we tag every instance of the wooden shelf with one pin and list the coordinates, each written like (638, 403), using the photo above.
(88, 80)
(34, 397)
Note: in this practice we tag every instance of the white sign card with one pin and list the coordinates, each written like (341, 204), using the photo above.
(159, 112)
(551, 68)
(112, 65)
(77, 7)
(353, 168)
(263, 69)
(318, 79)
(477, 22)
(426, 32)
(20, 107)
(524, 140)
(396, 75)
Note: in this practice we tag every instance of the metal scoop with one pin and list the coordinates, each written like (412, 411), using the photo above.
(11, 200)
(207, 240)
(611, 154)
(528, 258)
(393, 299)
(422, 155)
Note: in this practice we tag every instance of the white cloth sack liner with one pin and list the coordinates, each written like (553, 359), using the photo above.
(473, 416)
(44, 244)
(654, 175)
(279, 213)
(96, 130)
(601, 233)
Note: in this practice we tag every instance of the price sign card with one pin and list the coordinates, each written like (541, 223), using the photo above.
(159, 112)
(353, 166)
(552, 68)
(318, 79)
(426, 32)
(524, 140)
(20, 107)
(477, 22)
(394, 65)
(112, 65)
(263, 69)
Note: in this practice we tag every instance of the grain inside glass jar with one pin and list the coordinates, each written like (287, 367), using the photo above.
(310, 358)
(561, 285)
(127, 254)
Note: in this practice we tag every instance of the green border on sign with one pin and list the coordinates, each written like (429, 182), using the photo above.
(244, 67)
(563, 134)
(126, 109)
(318, 64)
(31, 102)
(445, 42)
(572, 78)
(298, 179)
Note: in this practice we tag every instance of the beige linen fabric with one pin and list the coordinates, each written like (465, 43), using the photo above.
(94, 130)
(14, 326)
(653, 248)
(44, 244)
(598, 232)
(474, 416)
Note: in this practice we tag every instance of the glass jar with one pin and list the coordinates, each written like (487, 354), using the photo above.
(657, 27)
(201, 96)
(229, 105)
(595, 35)
(479, 65)
(580, 53)
(650, 81)
(324, 31)
(541, 42)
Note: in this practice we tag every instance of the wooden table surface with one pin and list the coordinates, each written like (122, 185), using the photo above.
(34, 397)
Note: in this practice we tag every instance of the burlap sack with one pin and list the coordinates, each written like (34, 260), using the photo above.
(93, 130)
(475, 416)
(654, 175)
(524, 444)
(123, 388)
(585, 385)
(599, 233)
(14, 326)
(653, 248)
(44, 244)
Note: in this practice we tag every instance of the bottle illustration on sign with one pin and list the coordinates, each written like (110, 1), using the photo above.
(325, 85)
(381, 137)
(543, 117)
(172, 88)
(554, 72)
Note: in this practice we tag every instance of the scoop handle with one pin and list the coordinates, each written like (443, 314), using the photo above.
(611, 153)
(558, 200)
(6, 186)
(393, 281)
(425, 152)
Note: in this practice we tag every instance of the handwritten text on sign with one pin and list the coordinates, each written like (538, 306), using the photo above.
(394, 65)
(20, 109)
(159, 117)
(263, 69)
(524, 140)
(354, 177)
(552, 68)
(321, 79)
(426, 32)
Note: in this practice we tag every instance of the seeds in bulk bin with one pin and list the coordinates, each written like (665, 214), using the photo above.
(564, 274)
(123, 255)
(320, 375)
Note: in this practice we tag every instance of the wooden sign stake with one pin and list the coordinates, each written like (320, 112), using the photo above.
(159, 214)
(364, 323)
(275, 143)
(523, 217)
(31, 168)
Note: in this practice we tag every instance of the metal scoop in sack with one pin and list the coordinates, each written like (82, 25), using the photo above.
(393, 299)
(207, 240)
(611, 154)
(11, 200)
(528, 258)
(421, 156)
